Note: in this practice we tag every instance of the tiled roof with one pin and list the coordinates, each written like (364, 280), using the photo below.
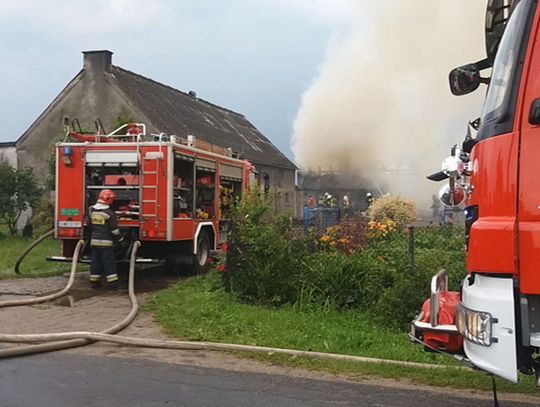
(174, 112)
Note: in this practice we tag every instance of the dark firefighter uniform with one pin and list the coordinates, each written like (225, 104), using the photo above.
(104, 231)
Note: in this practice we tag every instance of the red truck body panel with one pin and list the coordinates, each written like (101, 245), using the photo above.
(153, 180)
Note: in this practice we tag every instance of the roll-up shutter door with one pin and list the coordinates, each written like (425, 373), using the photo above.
(230, 172)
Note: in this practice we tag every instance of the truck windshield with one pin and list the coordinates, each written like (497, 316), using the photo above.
(498, 111)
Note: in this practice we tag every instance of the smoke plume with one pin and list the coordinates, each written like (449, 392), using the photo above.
(380, 104)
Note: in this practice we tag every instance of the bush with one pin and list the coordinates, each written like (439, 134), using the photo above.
(18, 192)
(43, 217)
(348, 236)
(395, 296)
(393, 208)
(264, 262)
(266, 265)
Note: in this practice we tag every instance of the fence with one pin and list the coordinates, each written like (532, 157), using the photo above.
(318, 219)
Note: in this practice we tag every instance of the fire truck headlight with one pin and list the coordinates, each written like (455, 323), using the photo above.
(475, 326)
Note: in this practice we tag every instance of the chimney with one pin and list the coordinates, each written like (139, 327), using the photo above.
(97, 61)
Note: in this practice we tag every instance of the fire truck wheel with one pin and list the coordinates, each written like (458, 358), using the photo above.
(201, 263)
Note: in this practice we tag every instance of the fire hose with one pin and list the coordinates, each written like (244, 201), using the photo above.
(66, 340)
(74, 341)
(50, 297)
(30, 248)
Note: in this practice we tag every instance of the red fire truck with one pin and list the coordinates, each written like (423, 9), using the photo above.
(496, 316)
(173, 194)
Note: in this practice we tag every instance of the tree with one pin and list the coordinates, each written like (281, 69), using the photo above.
(18, 192)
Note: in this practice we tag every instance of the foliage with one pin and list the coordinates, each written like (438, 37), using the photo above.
(199, 309)
(263, 262)
(35, 264)
(347, 237)
(394, 208)
(396, 290)
(380, 230)
(43, 217)
(18, 192)
(121, 120)
(51, 176)
(267, 265)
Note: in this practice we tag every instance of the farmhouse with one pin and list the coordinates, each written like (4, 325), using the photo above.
(108, 92)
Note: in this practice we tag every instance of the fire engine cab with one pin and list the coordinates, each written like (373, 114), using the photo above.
(495, 319)
(173, 194)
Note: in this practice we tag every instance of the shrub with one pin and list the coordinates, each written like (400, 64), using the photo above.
(263, 260)
(18, 192)
(393, 208)
(348, 236)
(267, 265)
(380, 230)
(43, 217)
(396, 295)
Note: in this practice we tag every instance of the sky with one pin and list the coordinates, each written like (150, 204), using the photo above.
(256, 57)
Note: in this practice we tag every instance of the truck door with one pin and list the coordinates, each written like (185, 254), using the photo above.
(529, 172)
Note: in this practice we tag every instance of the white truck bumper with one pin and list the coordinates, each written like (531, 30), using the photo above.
(493, 296)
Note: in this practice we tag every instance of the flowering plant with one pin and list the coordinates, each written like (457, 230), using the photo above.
(380, 230)
(347, 237)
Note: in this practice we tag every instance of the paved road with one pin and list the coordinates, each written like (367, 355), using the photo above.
(63, 379)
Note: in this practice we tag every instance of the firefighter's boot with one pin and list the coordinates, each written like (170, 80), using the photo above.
(113, 286)
(95, 284)
(112, 282)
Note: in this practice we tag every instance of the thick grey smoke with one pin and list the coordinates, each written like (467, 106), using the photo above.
(380, 104)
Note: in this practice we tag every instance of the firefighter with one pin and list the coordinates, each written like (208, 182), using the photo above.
(369, 199)
(345, 205)
(328, 200)
(104, 231)
(310, 203)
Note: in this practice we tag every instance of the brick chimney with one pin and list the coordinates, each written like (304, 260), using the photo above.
(97, 61)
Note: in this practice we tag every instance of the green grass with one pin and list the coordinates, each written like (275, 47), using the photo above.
(34, 265)
(200, 310)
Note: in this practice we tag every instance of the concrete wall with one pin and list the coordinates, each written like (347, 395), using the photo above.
(87, 97)
(8, 155)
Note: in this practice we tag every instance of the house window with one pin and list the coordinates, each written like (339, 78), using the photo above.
(266, 182)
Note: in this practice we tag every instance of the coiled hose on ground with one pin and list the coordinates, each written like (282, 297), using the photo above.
(77, 340)
(66, 340)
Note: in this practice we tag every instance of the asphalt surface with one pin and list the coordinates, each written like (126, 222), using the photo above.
(62, 379)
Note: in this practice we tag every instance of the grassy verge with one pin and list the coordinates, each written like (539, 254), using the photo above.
(34, 265)
(199, 309)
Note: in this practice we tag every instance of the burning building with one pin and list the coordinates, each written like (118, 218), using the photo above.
(338, 183)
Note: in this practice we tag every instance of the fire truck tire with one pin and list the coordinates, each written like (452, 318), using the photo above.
(201, 260)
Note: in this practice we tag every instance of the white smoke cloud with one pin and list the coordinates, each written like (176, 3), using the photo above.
(381, 100)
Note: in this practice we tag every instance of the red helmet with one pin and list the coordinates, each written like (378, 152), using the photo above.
(106, 197)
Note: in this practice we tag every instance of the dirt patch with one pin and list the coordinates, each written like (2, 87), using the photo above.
(95, 310)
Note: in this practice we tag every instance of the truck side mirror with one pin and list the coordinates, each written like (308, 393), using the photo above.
(465, 79)
(534, 112)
